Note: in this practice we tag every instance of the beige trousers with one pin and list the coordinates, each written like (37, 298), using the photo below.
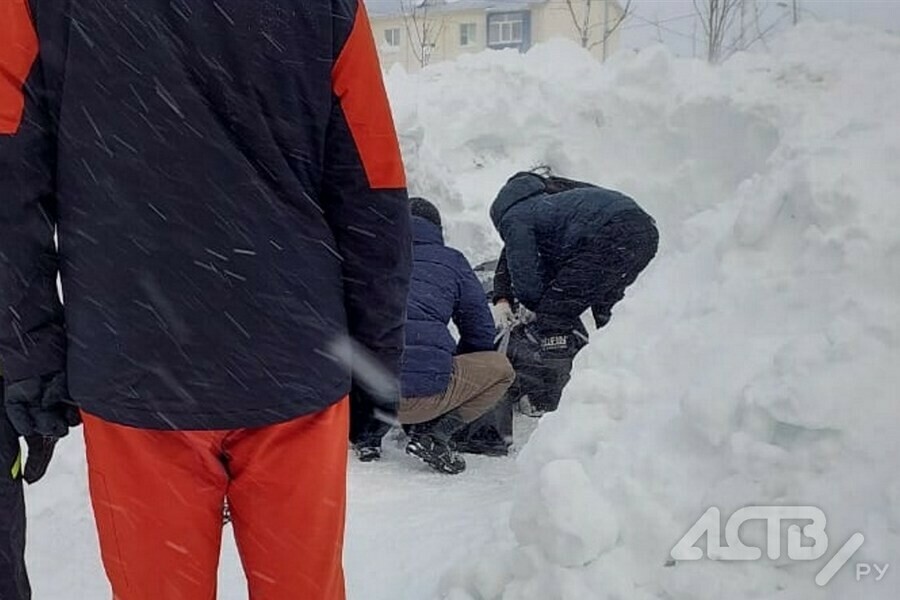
(477, 383)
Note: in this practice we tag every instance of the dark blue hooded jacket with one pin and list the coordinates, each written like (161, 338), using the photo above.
(443, 287)
(542, 231)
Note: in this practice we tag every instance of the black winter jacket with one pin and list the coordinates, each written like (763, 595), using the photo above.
(542, 230)
(229, 198)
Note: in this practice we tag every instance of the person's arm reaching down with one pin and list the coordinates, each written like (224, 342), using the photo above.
(365, 201)
(525, 266)
(32, 326)
(472, 316)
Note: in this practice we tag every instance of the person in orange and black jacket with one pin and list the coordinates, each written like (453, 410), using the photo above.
(225, 184)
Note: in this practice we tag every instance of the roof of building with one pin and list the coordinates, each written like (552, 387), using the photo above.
(395, 8)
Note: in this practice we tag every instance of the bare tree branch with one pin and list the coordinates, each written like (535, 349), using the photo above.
(703, 20)
(422, 31)
(626, 12)
(585, 28)
(580, 26)
(727, 28)
(762, 34)
(718, 18)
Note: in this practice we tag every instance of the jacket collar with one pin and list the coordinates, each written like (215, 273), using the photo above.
(426, 232)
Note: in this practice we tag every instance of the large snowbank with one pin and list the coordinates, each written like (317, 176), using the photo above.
(755, 362)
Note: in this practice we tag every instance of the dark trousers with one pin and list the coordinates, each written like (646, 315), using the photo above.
(13, 577)
(597, 274)
(539, 377)
(366, 427)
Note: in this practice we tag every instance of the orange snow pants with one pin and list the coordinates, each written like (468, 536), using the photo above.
(158, 498)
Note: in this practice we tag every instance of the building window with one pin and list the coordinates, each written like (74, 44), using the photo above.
(392, 37)
(467, 32)
(506, 29)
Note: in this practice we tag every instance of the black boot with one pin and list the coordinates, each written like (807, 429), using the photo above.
(431, 443)
(492, 433)
(368, 446)
(368, 452)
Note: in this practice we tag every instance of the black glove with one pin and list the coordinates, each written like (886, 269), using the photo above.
(40, 451)
(40, 406)
(601, 315)
(40, 410)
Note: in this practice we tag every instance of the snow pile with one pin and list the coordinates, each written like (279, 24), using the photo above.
(755, 362)
(566, 515)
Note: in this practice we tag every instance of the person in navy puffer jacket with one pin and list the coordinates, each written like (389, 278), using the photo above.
(445, 384)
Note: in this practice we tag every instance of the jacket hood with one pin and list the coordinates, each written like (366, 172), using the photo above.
(426, 232)
(521, 187)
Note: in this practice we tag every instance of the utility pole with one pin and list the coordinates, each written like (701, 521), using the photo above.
(796, 9)
(693, 37)
(605, 27)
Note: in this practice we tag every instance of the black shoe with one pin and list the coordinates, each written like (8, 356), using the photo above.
(367, 453)
(436, 453)
(484, 448)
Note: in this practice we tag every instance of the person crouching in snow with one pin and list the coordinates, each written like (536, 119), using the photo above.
(570, 246)
(445, 384)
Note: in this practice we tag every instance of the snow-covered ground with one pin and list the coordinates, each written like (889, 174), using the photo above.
(755, 362)
(406, 526)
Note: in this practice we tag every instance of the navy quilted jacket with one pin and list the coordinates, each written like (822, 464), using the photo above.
(443, 287)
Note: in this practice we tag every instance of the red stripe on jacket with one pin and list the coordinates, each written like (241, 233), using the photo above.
(357, 82)
(18, 51)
